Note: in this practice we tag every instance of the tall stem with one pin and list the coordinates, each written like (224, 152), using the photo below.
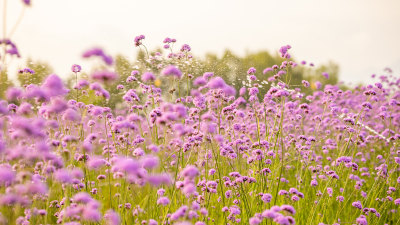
(14, 28)
(76, 86)
(108, 159)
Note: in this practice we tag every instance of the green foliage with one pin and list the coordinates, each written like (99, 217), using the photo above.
(42, 70)
(233, 69)
(4, 83)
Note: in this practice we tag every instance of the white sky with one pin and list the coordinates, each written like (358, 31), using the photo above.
(362, 36)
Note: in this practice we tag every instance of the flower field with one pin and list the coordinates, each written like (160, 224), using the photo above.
(183, 147)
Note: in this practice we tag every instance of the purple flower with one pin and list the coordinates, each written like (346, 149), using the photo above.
(185, 48)
(71, 114)
(189, 189)
(152, 222)
(282, 220)
(161, 192)
(37, 187)
(63, 176)
(153, 148)
(150, 162)
(242, 91)
(28, 127)
(179, 213)
(362, 220)
(284, 51)
(216, 83)
(13, 93)
(199, 81)
(318, 85)
(76, 68)
(211, 172)
(98, 52)
(229, 90)
(357, 205)
(254, 221)
(82, 197)
(82, 83)
(91, 214)
(171, 70)
(207, 75)
(253, 77)
(253, 91)
(190, 172)
(7, 176)
(288, 208)
(104, 76)
(163, 201)
(266, 198)
(138, 152)
(148, 76)
(27, 70)
(180, 110)
(305, 83)
(27, 2)
(270, 214)
(108, 59)
(96, 163)
(13, 51)
(134, 72)
(168, 40)
(112, 217)
(251, 71)
(138, 40)
(53, 86)
(266, 70)
(24, 109)
(128, 165)
(130, 79)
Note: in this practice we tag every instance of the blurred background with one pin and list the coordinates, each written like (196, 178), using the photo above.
(348, 39)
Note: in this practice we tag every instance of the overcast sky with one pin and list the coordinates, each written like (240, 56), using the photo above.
(362, 36)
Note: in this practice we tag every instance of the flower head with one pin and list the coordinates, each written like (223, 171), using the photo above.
(98, 52)
(138, 40)
(171, 70)
(148, 76)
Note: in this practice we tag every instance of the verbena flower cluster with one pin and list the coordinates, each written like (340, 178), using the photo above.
(208, 156)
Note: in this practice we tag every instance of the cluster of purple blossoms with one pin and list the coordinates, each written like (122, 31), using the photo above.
(172, 71)
(100, 53)
(168, 41)
(138, 40)
(26, 70)
(12, 50)
(76, 68)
